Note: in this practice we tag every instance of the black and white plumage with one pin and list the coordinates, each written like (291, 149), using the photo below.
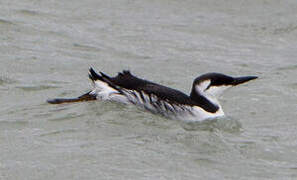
(129, 89)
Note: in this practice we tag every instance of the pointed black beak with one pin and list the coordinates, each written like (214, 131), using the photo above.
(240, 80)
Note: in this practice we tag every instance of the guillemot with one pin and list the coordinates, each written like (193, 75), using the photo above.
(126, 88)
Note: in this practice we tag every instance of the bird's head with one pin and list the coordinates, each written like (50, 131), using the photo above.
(213, 84)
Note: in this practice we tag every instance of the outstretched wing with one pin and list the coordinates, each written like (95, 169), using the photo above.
(125, 80)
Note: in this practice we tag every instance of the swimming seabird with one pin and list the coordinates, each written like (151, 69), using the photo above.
(201, 104)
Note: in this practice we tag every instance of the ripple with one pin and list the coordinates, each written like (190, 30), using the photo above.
(86, 47)
(55, 82)
(273, 29)
(28, 12)
(6, 22)
(69, 116)
(291, 67)
(36, 88)
(130, 55)
(293, 85)
(57, 132)
(205, 161)
(286, 29)
(5, 80)
(224, 124)
(12, 124)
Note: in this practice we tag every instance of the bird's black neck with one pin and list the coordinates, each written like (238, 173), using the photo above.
(203, 102)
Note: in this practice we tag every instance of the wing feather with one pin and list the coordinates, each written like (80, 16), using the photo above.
(128, 81)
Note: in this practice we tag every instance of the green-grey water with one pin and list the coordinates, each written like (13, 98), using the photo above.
(46, 48)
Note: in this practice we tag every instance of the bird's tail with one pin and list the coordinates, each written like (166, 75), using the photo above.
(88, 96)
(85, 97)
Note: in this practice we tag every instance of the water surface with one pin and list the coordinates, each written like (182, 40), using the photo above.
(48, 46)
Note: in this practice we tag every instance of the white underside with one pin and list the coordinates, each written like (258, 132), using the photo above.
(185, 113)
